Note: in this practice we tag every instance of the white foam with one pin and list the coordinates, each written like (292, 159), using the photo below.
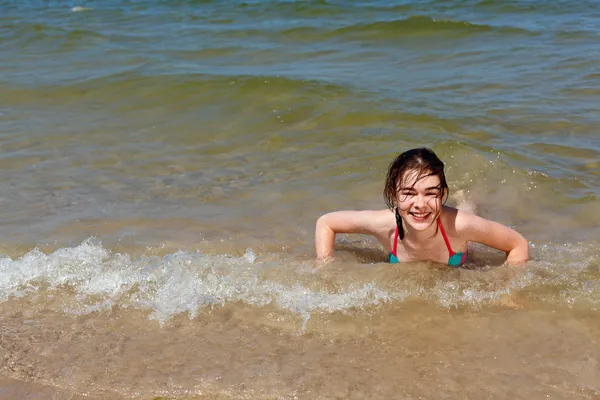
(177, 283)
(185, 282)
(79, 9)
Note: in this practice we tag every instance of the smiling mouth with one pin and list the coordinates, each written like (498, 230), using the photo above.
(420, 216)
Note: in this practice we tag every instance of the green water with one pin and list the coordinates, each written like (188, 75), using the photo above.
(197, 142)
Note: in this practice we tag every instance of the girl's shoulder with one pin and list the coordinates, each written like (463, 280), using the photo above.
(457, 221)
(379, 219)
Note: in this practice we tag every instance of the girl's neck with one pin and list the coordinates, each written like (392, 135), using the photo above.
(419, 238)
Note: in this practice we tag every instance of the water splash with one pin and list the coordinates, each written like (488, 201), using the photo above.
(182, 282)
(186, 282)
(80, 9)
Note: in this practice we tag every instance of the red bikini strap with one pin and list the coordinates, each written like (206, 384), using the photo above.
(445, 238)
(395, 242)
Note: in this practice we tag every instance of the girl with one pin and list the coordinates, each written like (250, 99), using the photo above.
(417, 226)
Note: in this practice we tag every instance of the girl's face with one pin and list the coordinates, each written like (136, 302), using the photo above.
(420, 204)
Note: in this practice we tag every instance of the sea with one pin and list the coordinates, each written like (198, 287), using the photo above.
(163, 164)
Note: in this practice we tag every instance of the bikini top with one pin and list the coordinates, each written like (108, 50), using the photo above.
(455, 259)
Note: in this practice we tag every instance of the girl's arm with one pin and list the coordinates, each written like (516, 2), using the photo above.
(328, 225)
(493, 234)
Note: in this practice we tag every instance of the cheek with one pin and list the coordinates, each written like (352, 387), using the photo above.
(435, 203)
(404, 205)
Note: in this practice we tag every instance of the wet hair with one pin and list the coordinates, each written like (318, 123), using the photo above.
(425, 163)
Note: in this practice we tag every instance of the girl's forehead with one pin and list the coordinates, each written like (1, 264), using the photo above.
(419, 179)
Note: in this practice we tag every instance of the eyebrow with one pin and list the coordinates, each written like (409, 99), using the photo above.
(426, 189)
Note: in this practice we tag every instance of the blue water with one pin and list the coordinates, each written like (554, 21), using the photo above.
(163, 164)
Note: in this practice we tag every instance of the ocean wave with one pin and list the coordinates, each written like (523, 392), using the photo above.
(297, 9)
(535, 6)
(133, 89)
(185, 282)
(420, 25)
(573, 35)
(504, 6)
(181, 282)
(61, 39)
(413, 26)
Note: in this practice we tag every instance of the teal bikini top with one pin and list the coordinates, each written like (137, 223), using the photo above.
(455, 259)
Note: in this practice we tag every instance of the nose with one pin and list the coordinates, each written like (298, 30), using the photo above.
(420, 201)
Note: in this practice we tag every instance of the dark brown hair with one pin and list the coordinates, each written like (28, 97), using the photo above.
(425, 163)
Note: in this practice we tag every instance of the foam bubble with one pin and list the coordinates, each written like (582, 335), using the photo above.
(80, 8)
(181, 282)
(186, 282)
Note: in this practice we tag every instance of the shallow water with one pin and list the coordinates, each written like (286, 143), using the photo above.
(163, 164)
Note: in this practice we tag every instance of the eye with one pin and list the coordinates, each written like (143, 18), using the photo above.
(433, 194)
